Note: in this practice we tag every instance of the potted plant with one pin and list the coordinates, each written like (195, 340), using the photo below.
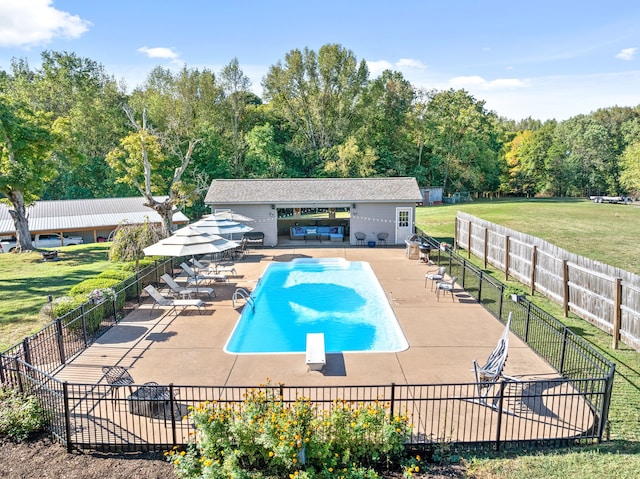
(515, 293)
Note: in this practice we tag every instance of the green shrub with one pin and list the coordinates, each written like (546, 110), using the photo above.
(91, 284)
(20, 415)
(266, 437)
(65, 304)
(120, 275)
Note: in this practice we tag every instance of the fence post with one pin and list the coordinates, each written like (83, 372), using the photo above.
(63, 358)
(486, 246)
(393, 399)
(138, 287)
(67, 416)
(481, 280)
(83, 321)
(503, 385)
(27, 350)
(564, 348)
(3, 379)
(534, 258)
(172, 405)
(526, 323)
(18, 375)
(469, 241)
(506, 257)
(565, 287)
(617, 311)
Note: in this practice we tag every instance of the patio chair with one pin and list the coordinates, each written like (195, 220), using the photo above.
(192, 276)
(117, 377)
(160, 300)
(215, 269)
(446, 286)
(488, 375)
(435, 277)
(185, 292)
(382, 239)
(360, 238)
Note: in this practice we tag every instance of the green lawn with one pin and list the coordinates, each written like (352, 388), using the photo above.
(26, 282)
(608, 233)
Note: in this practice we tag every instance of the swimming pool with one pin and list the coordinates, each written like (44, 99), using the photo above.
(342, 299)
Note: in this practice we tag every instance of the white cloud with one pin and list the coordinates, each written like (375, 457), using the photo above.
(410, 63)
(159, 52)
(36, 22)
(626, 54)
(403, 65)
(375, 68)
(476, 81)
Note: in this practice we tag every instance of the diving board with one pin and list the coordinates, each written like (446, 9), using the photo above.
(316, 358)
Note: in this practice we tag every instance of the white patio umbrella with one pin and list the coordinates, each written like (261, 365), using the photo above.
(189, 241)
(213, 225)
(230, 215)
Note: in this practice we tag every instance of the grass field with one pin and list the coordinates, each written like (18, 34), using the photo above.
(607, 233)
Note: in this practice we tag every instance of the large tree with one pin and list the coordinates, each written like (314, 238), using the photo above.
(462, 137)
(26, 142)
(235, 85)
(138, 159)
(317, 94)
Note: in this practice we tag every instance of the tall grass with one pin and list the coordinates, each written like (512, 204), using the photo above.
(607, 233)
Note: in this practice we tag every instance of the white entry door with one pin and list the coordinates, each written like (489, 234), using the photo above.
(404, 224)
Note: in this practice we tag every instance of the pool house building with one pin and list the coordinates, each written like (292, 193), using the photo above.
(350, 210)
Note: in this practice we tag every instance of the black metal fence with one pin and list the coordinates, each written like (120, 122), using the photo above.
(571, 408)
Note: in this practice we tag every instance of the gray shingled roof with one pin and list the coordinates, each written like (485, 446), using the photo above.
(313, 190)
(84, 214)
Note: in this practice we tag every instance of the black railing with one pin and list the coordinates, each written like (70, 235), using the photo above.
(561, 411)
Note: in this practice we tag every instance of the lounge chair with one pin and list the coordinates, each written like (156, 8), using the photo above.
(185, 292)
(160, 300)
(446, 286)
(215, 269)
(435, 277)
(193, 277)
(488, 375)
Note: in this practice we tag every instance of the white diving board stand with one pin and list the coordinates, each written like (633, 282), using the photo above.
(316, 358)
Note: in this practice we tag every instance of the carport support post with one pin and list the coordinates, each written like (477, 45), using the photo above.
(617, 311)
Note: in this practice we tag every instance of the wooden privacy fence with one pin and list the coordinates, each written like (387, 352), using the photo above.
(606, 296)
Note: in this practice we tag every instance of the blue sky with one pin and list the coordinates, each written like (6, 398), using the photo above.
(544, 59)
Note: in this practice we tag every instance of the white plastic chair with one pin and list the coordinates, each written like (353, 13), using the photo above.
(435, 277)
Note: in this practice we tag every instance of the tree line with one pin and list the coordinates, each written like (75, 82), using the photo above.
(69, 129)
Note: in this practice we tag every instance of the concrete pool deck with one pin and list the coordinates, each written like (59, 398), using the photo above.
(444, 336)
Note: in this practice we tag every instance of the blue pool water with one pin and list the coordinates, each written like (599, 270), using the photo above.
(341, 299)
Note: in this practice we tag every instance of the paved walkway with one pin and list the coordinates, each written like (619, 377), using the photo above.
(444, 336)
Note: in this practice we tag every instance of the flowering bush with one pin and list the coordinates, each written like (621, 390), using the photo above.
(266, 437)
(99, 295)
